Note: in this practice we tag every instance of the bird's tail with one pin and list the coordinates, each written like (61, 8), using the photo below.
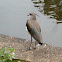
(40, 43)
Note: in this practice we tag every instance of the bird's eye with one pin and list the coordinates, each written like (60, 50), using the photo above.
(30, 14)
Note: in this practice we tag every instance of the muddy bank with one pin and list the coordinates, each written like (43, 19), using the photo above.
(42, 53)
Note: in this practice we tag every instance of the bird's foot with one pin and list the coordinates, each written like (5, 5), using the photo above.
(29, 48)
(34, 47)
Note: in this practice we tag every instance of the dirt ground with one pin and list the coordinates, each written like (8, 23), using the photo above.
(42, 53)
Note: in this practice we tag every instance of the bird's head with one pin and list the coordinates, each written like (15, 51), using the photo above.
(32, 16)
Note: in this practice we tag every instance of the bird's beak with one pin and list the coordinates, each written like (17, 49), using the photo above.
(28, 15)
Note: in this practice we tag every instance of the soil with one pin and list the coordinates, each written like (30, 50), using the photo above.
(42, 53)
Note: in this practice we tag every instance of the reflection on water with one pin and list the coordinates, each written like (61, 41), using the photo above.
(50, 7)
(13, 18)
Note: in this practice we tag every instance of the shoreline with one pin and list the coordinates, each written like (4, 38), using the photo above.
(42, 53)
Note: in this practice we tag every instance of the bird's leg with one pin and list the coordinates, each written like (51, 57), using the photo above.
(35, 45)
(31, 39)
(30, 44)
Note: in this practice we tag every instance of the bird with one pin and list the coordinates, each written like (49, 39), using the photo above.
(33, 28)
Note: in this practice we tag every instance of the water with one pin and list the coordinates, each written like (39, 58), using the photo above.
(50, 7)
(13, 17)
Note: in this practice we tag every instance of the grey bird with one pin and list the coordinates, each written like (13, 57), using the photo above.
(33, 28)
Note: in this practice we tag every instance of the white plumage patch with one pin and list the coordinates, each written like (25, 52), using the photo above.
(27, 30)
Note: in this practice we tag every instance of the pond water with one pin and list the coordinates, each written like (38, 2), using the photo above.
(13, 17)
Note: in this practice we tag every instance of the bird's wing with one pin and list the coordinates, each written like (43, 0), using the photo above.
(33, 27)
(35, 30)
(37, 26)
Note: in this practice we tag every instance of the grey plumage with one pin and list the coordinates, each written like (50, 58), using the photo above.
(33, 27)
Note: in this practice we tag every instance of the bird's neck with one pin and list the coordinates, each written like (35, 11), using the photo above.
(32, 18)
